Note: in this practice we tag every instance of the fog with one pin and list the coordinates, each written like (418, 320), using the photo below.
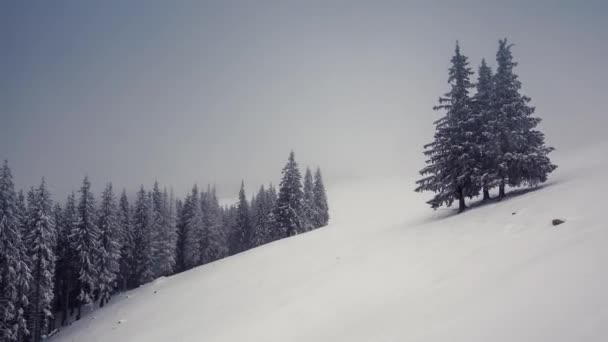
(200, 92)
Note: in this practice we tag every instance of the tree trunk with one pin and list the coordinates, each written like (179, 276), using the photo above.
(501, 190)
(79, 310)
(486, 193)
(461, 205)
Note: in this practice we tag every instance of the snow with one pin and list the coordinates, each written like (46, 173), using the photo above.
(388, 268)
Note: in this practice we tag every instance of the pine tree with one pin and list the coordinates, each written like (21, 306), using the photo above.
(486, 128)
(125, 274)
(521, 154)
(320, 201)
(262, 211)
(181, 225)
(142, 245)
(192, 230)
(309, 209)
(163, 234)
(451, 171)
(229, 215)
(15, 274)
(243, 233)
(109, 245)
(85, 240)
(288, 211)
(67, 258)
(40, 243)
(213, 240)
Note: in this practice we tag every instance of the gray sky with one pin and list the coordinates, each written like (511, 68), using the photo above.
(216, 91)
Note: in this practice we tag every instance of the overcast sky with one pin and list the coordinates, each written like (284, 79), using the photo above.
(219, 91)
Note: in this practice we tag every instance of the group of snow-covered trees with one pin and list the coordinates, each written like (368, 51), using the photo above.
(485, 140)
(54, 259)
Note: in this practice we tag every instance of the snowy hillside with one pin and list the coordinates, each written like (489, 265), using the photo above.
(388, 268)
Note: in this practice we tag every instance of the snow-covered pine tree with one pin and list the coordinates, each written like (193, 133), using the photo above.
(85, 240)
(288, 211)
(168, 235)
(192, 231)
(320, 201)
(309, 209)
(213, 239)
(271, 226)
(15, 274)
(109, 245)
(181, 225)
(229, 215)
(243, 236)
(521, 157)
(125, 274)
(58, 219)
(40, 242)
(486, 129)
(142, 246)
(261, 224)
(67, 261)
(451, 171)
(163, 242)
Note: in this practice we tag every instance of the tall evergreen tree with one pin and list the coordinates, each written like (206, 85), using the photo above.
(163, 234)
(243, 233)
(320, 201)
(15, 276)
(192, 230)
(85, 240)
(67, 258)
(40, 242)
(288, 211)
(521, 154)
(213, 240)
(309, 209)
(142, 244)
(451, 171)
(125, 274)
(109, 245)
(262, 211)
(486, 128)
(181, 225)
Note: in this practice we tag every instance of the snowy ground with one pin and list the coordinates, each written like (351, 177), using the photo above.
(390, 269)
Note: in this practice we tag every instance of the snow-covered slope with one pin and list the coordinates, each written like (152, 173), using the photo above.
(390, 269)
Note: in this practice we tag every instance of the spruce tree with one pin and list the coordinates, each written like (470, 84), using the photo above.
(85, 240)
(125, 274)
(181, 225)
(451, 172)
(109, 245)
(309, 209)
(40, 242)
(67, 261)
(142, 244)
(521, 154)
(288, 211)
(320, 201)
(260, 224)
(192, 230)
(163, 234)
(242, 237)
(213, 240)
(15, 276)
(486, 128)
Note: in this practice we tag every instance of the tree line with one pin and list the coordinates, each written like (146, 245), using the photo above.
(485, 140)
(55, 259)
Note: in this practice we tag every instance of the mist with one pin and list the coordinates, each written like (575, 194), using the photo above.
(218, 92)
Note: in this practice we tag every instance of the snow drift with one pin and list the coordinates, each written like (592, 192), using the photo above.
(388, 268)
